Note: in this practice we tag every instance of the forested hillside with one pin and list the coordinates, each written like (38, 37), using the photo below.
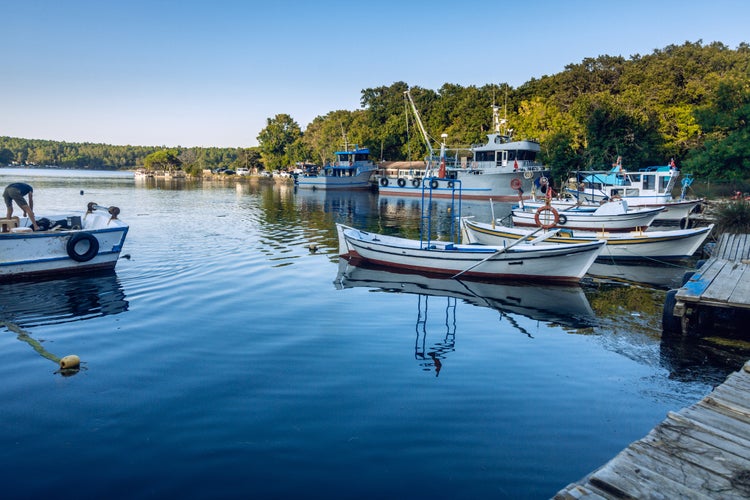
(690, 102)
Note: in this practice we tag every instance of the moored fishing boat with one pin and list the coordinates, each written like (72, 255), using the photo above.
(634, 245)
(614, 216)
(502, 169)
(520, 261)
(352, 169)
(645, 188)
(73, 243)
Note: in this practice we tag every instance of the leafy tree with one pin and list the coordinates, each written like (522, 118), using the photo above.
(725, 154)
(276, 138)
(166, 159)
(6, 156)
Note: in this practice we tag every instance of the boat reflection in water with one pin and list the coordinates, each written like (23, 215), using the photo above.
(30, 304)
(564, 305)
(653, 274)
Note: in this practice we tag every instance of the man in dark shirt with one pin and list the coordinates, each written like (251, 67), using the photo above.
(16, 192)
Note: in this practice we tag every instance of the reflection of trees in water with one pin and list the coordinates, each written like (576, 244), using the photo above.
(630, 316)
(708, 360)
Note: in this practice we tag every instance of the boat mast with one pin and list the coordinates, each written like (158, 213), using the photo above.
(500, 123)
(419, 123)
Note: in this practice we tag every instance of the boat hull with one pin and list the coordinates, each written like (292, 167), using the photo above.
(475, 185)
(522, 262)
(673, 210)
(636, 245)
(361, 181)
(621, 222)
(64, 252)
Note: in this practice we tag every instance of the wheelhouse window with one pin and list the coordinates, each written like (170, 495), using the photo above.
(484, 156)
(649, 182)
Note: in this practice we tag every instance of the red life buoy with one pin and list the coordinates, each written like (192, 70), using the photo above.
(515, 183)
(546, 224)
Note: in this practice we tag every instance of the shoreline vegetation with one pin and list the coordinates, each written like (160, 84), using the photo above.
(689, 103)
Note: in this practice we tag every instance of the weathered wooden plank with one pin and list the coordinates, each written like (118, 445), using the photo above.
(738, 383)
(681, 434)
(690, 475)
(741, 246)
(730, 402)
(576, 491)
(720, 423)
(698, 452)
(693, 289)
(724, 284)
(739, 441)
(741, 293)
(734, 246)
(725, 247)
(622, 479)
(686, 449)
(743, 251)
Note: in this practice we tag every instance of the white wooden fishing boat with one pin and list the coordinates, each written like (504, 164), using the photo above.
(519, 261)
(351, 170)
(634, 245)
(560, 303)
(74, 243)
(502, 168)
(613, 216)
(645, 188)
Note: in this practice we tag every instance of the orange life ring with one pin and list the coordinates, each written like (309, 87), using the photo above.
(515, 183)
(538, 217)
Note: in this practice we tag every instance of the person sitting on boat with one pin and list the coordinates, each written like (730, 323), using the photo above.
(16, 192)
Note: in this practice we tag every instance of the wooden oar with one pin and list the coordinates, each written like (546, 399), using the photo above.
(502, 250)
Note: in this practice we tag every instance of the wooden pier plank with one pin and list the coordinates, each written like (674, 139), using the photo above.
(693, 289)
(688, 474)
(717, 423)
(694, 445)
(741, 293)
(699, 452)
(623, 479)
(725, 283)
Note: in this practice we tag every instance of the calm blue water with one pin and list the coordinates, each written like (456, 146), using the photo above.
(223, 359)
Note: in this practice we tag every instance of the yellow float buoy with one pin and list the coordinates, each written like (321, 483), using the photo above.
(69, 362)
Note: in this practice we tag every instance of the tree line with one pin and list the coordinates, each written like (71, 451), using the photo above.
(688, 102)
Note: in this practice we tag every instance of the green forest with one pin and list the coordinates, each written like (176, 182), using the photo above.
(689, 102)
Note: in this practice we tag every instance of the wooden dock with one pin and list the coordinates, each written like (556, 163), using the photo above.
(717, 294)
(702, 451)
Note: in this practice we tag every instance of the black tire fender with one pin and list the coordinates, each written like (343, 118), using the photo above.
(669, 322)
(90, 253)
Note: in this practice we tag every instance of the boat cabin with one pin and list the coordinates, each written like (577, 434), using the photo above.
(649, 181)
(501, 151)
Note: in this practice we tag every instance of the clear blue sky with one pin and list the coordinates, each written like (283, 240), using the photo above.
(210, 73)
